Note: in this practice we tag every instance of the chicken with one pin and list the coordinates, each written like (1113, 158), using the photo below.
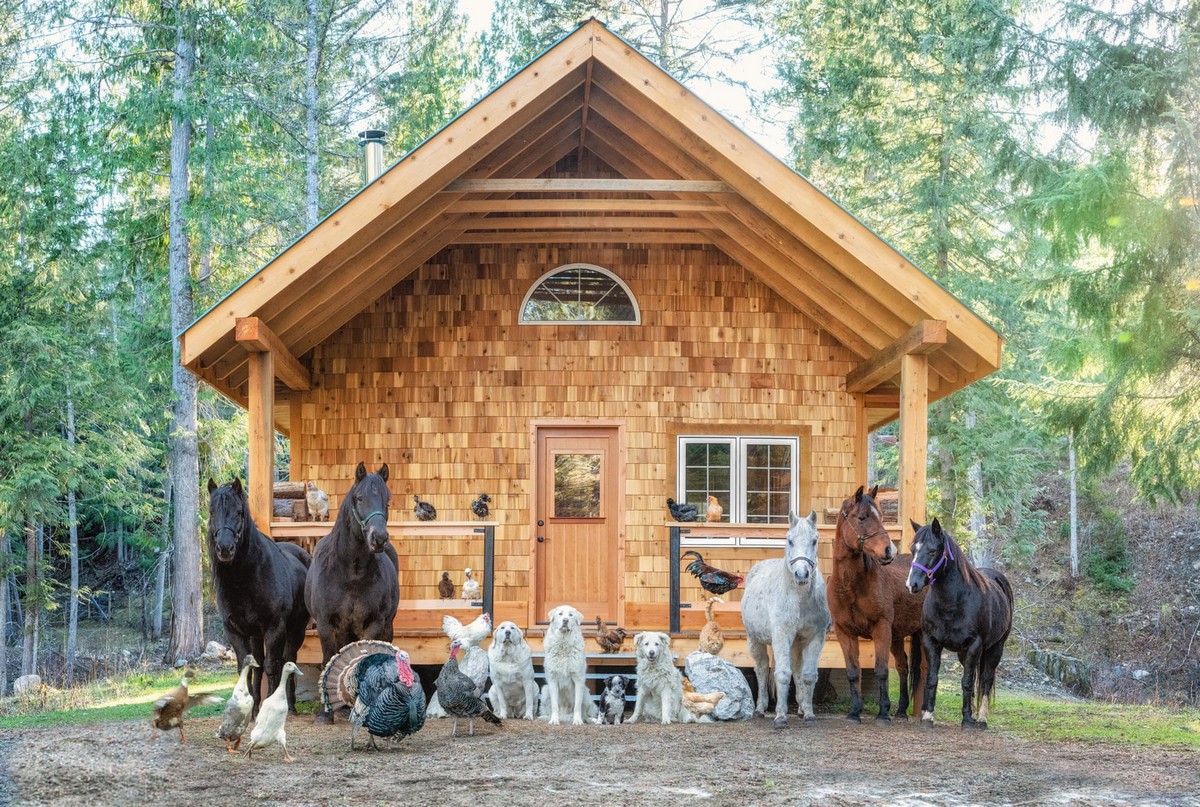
(460, 696)
(170, 708)
(377, 681)
(480, 506)
(711, 638)
(424, 511)
(715, 510)
(445, 586)
(609, 640)
(470, 586)
(269, 726)
(683, 512)
(699, 703)
(317, 501)
(712, 579)
(238, 709)
(473, 633)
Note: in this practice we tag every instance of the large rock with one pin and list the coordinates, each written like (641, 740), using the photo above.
(709, 673)
(27, 683)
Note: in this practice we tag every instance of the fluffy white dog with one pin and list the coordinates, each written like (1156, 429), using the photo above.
(513, 691)
(565, 664)
(659, 682)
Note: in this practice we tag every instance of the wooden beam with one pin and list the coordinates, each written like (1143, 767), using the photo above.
(583, 223)
(261, 438)
(914, 439)
(541, 185)
(925, 337)
(570, 205)
(254, 335)
(587, 91)
(297, 442)
(584, 237)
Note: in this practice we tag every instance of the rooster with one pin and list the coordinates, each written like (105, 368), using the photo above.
(715, 510)
(470, 634)
(470, 586)
(683, 512)
(699, 704)
(711, 638)
(376, 680)
(460, 695)
(712, 579)
(480, 506)
(424, 511)
(445, 586)
(317, 502)
(609, 640)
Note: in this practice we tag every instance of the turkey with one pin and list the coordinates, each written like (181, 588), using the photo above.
(424, 511)
(480, 506)
(238, 709)
(460, 695)
(683, 511)
(475, 664)
(376, 680)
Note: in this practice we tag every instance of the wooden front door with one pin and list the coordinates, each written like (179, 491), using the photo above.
(578, 520)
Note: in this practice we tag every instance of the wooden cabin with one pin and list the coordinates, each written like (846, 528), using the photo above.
(586, 294)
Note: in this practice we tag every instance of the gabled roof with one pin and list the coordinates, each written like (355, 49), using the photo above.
(690, 176)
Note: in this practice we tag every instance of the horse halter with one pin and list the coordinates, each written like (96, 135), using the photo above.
(811, 563)
(946, 553)
(862, 539)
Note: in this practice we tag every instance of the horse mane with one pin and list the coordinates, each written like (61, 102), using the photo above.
(968, 570)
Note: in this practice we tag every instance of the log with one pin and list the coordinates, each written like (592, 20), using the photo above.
(289, 490)
(299, 510)
(285, 508)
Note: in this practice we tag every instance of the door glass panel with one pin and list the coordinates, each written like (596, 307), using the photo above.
(577, 486)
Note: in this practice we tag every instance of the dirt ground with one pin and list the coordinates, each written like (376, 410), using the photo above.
(521, 763)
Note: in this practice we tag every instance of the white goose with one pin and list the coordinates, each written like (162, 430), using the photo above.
(272, 715)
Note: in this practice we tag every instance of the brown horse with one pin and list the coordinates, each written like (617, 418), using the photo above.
(869, 599)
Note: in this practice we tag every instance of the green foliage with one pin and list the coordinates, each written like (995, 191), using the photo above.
(1107, 562)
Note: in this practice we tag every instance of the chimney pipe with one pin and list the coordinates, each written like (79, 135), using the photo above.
(372, 142)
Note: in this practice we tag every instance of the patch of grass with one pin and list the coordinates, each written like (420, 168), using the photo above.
(126, 698)
(1034, 717)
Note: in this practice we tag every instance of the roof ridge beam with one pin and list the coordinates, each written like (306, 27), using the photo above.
(597, 185)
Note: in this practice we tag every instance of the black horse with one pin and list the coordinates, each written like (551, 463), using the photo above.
(353, 586)
(260, 588)
(968, 610)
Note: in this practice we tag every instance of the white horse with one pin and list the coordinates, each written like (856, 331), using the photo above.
(784, 606)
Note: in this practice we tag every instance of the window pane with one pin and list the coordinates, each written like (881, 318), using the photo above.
(757, 455)
(707, 472)
(577, 486)
(781, 455)
(768, 483)
(756, 479)
(579, 294)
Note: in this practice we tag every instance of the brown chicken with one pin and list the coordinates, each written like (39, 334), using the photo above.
(445, 586)
(712, 579)
(715, 510)
(609, 640)
(711, 637)
(699, 703)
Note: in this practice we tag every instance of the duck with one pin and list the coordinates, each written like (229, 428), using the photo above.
(170, 708)
(272, 717)
(238, 709)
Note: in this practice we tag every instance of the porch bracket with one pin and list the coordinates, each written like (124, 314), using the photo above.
(925, 337)
(254, 335)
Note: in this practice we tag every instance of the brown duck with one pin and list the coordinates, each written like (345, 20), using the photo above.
(170, 708)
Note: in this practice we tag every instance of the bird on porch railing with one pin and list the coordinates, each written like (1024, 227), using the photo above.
(480, 506)
(445, 586)
(470, 586)
(712, 579)
(683, 511)
(317, 502)
(609, 640)
(424, 511)
(715, 510)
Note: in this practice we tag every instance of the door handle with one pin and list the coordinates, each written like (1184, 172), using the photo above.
(541, 539)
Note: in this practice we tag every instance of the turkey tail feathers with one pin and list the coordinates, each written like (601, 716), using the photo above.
(490, 716)
(337, 684)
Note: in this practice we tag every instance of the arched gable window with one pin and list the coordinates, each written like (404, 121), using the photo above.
(580, 292)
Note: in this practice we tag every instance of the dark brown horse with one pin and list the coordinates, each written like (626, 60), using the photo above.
(868, 599)
(353, 586)
(259, 586)
(968, 610)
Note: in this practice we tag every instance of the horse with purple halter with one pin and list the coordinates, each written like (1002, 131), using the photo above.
(968, 610)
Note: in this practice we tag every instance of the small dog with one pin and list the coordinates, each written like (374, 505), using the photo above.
(660, 684)
(513, 690)
(565, 664)
(612, 700)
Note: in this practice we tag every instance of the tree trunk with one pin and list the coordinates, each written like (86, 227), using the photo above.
(121, 542)
(312, 64)
(160, 594)
(1074, 505)
(32, 611)
(73, 528)
(977, 521)
(4, 608)
(188, 617)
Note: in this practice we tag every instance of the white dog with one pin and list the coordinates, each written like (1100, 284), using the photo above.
(513, 690)
(565, 664)
(659, 683)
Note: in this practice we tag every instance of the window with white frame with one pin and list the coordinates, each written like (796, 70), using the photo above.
(755, 479)
(582, 293)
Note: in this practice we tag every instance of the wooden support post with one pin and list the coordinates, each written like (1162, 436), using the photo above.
(262, 438)
(676, 533)
(489, 569)
(296, 437)
(914, 437)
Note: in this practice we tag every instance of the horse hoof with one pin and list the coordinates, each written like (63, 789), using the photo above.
(780, 722)
(901, 716)
(760, 714)
(927, 722)
(981, 725)
(883, 719)
(854, 718)
(810, 720)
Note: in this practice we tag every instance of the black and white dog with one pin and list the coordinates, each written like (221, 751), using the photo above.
(612, 700)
